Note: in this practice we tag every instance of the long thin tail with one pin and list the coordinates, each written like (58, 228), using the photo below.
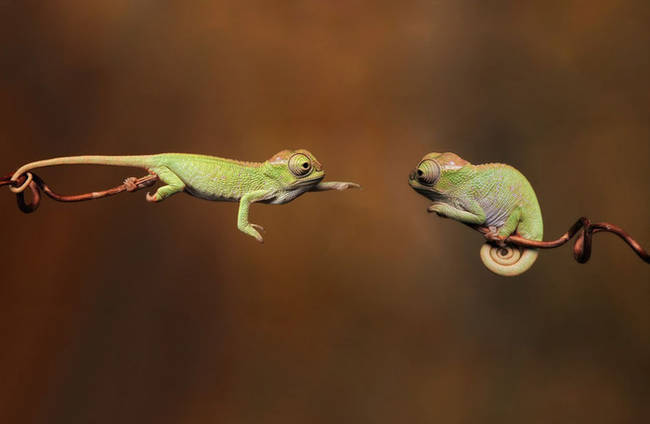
(143, 161)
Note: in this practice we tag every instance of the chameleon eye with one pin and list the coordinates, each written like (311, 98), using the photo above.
(299, 165)
(427, 172)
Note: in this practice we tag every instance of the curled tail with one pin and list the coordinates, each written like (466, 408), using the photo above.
(511, 260)
(508, 261)
(143, 161)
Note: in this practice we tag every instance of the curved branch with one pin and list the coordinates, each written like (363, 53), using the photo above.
(582, 246)
(37, 184)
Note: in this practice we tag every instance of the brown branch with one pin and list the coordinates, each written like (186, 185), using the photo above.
(37, 184)
(582, 246)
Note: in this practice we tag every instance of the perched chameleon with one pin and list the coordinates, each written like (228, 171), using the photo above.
(491, 195)
(282, 178)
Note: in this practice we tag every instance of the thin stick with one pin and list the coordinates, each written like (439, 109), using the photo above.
(37, 184)
(582, 246)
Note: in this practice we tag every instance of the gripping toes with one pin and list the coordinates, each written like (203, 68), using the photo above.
(435, 208)
(130, 184)
(153, 198)
(494, 237)
(251, 230)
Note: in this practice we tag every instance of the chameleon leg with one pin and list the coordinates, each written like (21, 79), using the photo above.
(505, 259)
(174, 184)
(511, 223)
(498, 235)
(242, 217)
(476, 216)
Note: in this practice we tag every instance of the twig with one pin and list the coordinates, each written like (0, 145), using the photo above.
(582, 246)
(37, 184)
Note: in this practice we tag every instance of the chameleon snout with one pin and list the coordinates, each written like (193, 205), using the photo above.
(414, 179)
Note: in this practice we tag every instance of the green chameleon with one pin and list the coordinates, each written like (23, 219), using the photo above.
(491, 195)
(285, 176)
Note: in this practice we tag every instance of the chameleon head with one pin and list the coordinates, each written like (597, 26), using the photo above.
(295, 169)
(430, 177)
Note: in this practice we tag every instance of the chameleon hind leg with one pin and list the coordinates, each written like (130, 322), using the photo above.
(498, 235)
(511, 223)
(173, 184)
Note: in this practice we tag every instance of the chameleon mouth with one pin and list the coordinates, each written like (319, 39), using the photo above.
(425, 191)
(415, 185)
(309, 181)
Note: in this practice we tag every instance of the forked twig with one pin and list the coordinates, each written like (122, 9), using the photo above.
(582, 246)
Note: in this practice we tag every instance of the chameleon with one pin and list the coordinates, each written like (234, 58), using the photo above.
(495, 196)
(278, 180)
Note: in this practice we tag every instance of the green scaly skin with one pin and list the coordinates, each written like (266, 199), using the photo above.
(285, 176)
(491, 195)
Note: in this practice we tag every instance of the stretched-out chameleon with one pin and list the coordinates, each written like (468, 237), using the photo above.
(280, 179)
(491, 195)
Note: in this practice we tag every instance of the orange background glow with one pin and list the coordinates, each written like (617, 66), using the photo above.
(359, 307)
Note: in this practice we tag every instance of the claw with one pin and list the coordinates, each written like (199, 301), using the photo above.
(152, 198)
(257, 235)
(258, 227)
(251, 230)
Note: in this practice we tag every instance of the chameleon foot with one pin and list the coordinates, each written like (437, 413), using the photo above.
(153, 198)
(251, 230)
(494, 237)
(259, 227)
(436, 208)
(130, 184)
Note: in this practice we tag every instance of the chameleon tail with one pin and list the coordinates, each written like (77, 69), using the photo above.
(143, 161)
(512, 260)
(507, 261)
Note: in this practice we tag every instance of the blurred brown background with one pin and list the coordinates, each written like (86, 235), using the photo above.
(360, 307)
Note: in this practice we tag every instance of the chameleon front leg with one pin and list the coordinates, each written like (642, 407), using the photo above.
(473, 214)
(242, 217)
(334, 185)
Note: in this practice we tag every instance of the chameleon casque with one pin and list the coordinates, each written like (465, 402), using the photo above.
(491, 195)
(280, 179)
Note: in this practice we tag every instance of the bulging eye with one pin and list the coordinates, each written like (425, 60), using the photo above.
(299, 165)
(427, 172)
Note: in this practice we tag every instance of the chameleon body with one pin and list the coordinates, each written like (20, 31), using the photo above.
(282, 178)
(492, 195)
